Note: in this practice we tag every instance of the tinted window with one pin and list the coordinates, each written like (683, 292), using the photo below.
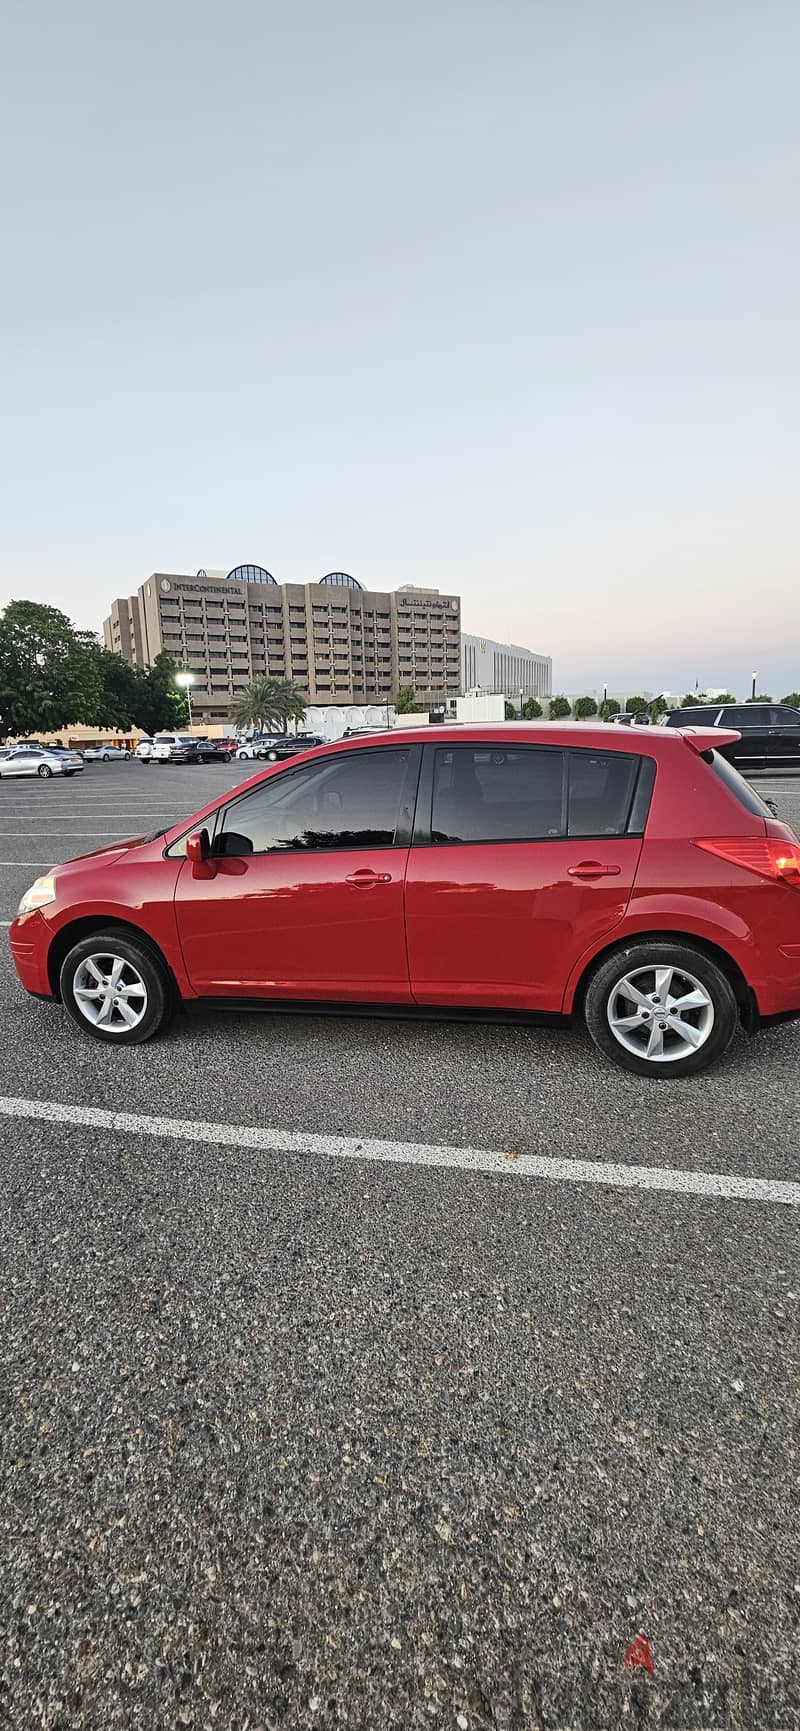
(699, 717)
(483, 793)
(782, 716)
(736, 784)
(600, 792)
(747, 715)
(341, 802)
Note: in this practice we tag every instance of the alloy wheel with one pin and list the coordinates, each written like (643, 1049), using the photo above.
(660, 1013)
(110, 992)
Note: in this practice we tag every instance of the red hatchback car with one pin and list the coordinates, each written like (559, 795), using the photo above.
(633, 878)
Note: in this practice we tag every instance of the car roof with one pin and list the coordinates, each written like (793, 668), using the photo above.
(593, 736)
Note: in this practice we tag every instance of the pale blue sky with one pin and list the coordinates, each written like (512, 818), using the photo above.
(501, 297)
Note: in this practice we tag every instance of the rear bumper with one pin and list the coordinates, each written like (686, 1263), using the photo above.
(29, 940)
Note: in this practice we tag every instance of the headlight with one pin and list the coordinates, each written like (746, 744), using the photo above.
(39, 894)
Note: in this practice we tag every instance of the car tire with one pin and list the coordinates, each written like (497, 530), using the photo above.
(68, 772)
(623, 1027)
(44, 771)
(226, 757)
(140, 962)
(105, 758)
(272, 756)
(242, 756)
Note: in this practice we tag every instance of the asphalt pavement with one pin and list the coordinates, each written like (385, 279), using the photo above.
(296, 1439)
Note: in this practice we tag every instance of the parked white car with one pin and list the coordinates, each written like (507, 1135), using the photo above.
(104, 753)
(37, 760)
(258, 747)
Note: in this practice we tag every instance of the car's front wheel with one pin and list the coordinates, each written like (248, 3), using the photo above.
(116, 988)
(661, 1009)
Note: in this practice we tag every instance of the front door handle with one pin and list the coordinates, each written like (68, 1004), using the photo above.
(591, 868)
(366, 879)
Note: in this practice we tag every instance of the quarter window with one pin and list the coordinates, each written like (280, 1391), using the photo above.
(353, 801)
(600, 791)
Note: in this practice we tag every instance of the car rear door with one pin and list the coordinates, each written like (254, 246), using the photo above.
(783, 751)
(306, 900)
(522, 858)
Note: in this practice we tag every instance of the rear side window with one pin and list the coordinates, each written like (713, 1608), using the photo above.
(736, 784)
(782, 716)
(600, 792)
(488, 793)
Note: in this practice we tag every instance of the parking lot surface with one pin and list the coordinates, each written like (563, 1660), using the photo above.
(310, 1417)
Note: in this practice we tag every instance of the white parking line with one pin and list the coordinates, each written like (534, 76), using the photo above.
(720, 1185)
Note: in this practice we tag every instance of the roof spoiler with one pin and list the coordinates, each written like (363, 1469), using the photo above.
(702, 739)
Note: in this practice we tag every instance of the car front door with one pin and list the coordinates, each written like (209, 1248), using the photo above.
(522, 858)
(784, 737)
(306, 900)
(21, 763)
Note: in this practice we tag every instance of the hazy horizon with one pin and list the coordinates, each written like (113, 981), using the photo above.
(494, 298)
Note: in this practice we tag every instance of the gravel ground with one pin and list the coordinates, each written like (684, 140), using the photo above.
(296, 1442)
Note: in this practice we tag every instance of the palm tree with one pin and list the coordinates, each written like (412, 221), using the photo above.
(268, 703)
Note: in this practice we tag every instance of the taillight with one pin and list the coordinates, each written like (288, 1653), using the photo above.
(771, 858)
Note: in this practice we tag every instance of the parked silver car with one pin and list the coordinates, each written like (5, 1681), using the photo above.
(104, 753)
(38, 760)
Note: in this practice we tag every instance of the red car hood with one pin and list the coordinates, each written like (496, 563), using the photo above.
(112, 849)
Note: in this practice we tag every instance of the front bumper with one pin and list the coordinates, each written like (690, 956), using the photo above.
(29, 939)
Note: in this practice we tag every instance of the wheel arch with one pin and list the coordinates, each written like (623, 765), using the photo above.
(743, 993)
(72, 934)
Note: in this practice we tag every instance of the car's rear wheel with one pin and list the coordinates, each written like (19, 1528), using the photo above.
(116, 988)
(44, 771)
(271, 756)
(661, 1009)
(242, 756)
(226, 757)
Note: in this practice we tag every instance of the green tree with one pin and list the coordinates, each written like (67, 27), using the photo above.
(793, 700)
(160, 703)
(634, 704)
(49, 672)
(761, 698)
(268, 704)
(727, 697)
(560, 708)
(659, 706)
(609, 707)
(293, 703)
(404, 703)
(692, 698)
(121, 688)
(532, 709)
(585, 707)
(510, 711)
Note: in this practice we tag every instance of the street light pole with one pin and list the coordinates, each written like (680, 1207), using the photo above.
(753, 693)
(186, 680)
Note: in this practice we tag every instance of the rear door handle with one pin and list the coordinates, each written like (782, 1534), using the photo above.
(591, 868)
(366, 879)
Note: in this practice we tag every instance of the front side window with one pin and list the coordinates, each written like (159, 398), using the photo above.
(487, 793)
(353, 801)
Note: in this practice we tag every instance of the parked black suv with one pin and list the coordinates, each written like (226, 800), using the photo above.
(278, 750)
(770, 732)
